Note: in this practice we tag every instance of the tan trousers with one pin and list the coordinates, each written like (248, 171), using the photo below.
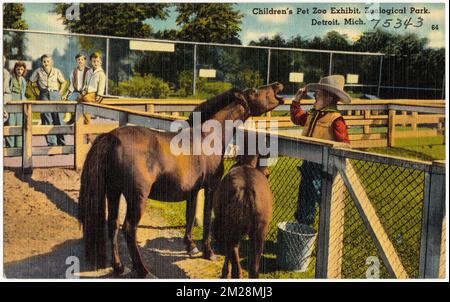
(88, 98)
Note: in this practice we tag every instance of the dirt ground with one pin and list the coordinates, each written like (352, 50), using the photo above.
(41, 233)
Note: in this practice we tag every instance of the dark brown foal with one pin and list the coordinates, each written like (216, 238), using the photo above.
(243, 206)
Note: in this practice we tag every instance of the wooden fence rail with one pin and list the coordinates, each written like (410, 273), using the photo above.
(364, 116)
(334, 158)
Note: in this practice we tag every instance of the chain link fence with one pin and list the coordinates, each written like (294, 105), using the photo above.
(396, 195)
(381, 221)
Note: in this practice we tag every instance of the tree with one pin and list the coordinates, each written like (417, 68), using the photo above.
(115, 19)
(209, 22)
(14, 42)
(12, 16)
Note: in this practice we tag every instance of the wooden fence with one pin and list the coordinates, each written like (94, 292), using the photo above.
(372, 123)
(334, 158)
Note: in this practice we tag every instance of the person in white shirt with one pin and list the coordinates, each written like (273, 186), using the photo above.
(50, 81)
(94, 85)
(77, 78)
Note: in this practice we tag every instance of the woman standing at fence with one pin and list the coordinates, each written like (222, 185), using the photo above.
(50, 81)
(6, 90)
(17, 86)
(95, 84)
(325, 122)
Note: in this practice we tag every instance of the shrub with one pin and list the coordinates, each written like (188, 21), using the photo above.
(144, 86)
(186, 81)
(215, 88)
(248, 78)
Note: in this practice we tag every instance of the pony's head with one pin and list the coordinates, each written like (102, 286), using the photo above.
(256, 100)
(262, 99)
(254, 161)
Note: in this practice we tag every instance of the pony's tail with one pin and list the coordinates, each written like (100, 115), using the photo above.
(92, 201)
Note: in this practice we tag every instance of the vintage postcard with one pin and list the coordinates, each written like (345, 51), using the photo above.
(261, 140)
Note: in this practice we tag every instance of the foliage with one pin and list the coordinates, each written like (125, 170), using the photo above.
(248, 78)
(12, 16)
(408, 61)
(209, 22)
(147, 86)
(214, 88)
(14, 42)
(116, 19)
(186, 82)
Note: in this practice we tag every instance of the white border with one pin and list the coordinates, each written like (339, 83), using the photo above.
(3, 279)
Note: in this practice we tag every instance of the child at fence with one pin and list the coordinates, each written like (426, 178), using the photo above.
(50, 82)
(18, 87)
(325, 122)
(95, 84)
(77, 78)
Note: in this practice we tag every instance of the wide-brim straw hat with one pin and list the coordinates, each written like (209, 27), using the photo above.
(333, 84)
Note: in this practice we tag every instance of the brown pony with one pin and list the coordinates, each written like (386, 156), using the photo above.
(138, 163)
(243, 206)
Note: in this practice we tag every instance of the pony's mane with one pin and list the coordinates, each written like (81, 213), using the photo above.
(213, 105)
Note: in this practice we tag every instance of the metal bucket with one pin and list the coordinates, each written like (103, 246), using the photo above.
(295, 245)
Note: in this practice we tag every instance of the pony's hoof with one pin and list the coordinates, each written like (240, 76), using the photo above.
(118, 269)
(193, 252)
(210, 256)
(142, 274)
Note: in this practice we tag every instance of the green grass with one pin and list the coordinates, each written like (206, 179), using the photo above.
(421, 148)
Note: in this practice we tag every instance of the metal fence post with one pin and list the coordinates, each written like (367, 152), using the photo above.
(195, 70)
(433, 223)
(330, 66)
(107, 67)
(27, 151)
(379, 76)
(268, 67)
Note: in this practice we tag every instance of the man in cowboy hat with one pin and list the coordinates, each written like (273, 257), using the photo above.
(324, 121)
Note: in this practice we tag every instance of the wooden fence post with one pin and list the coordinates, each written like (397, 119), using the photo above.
(79, 137)
(415, 116)
(391, 128)
(123, 119)
(27, 149)
(366, 117)
(150, 108)
(324, 220)
(404, 115)
(330, 245)
(433, 223)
